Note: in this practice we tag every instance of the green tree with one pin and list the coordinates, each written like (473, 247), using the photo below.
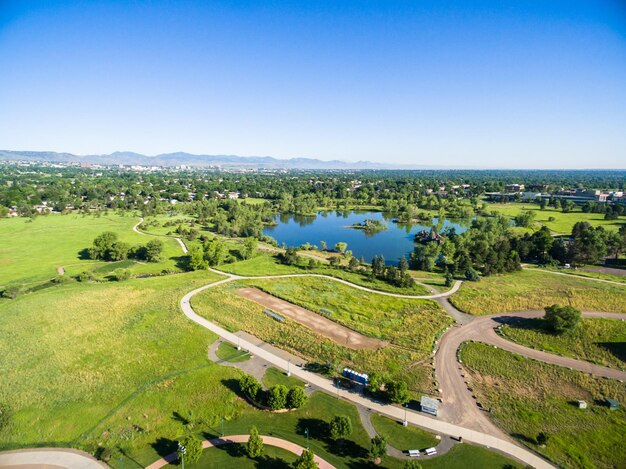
(378, 448)
(249, 247)
(341, 247)
(118, 251)
(340, 427)
(305, 461)
(296, 398)
(153, 251)
(102, 245)
(196, 258)
(398, 392)
(193, 449)
(562, 319)
(254, 447)
(277, 397)
(215, 251)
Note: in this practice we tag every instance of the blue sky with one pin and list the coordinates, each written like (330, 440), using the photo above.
(482, 84)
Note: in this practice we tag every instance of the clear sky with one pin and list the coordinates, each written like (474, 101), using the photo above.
(515, 83)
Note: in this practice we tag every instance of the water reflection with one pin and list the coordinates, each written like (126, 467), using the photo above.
(334, 226)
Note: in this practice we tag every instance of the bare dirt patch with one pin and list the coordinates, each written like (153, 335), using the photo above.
(336, 332)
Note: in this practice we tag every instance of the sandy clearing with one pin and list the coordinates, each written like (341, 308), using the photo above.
(336, 332)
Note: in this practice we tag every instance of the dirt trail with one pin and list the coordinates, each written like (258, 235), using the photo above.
(316, 322)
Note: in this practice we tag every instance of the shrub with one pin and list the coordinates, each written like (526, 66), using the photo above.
(340, 427)
(277, 397)
(472, 275)
(120, 275)
(85, 277)
(193, 449)
(250, 386)
(12, 292)
(104, 454)
(296, 398)
(562, 319)
(5, 416)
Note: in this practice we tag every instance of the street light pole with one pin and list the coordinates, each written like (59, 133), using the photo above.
(288, 367)
(306, 432)
(182, 450)
(238, 342)
(405, 423)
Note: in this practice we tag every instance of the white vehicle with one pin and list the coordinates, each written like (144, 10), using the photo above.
(414, 453)
(430, 451)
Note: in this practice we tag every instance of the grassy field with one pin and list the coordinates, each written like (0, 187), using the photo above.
(229, 353)
(530, 289)
(31, 251)
(268, 264)
(527, 397)
(562, 223)
(410, 361)
(589, 274)
(75, 352)
(400, 437)
(274, 376)
(408, 323)
(601, 341)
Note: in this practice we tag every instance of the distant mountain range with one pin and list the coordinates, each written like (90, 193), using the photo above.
(188, 159)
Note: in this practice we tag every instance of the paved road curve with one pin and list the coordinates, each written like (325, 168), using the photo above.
(49, 458)
(468, 434)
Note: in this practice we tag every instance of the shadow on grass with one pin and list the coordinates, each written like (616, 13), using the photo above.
(233, 385)
(164, 446)
(317, 428)
(526, 439)
(618, 349)
(263, 462)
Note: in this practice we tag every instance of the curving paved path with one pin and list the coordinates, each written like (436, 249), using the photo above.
(49, 458)
(479, 437)
(268, 440)
(180, 241)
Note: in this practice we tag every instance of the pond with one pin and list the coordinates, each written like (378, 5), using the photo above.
(334, 226)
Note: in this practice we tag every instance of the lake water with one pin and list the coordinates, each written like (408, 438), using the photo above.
(331, 226)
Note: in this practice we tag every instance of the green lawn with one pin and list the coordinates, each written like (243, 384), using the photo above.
(416, 324)
(226, 456)
(400, 437)
(267, 264)
(562, 223)
(531, 289)
(31, 251)
(527, 397)
(75, 352)
(274, 376)
(229, 353)
(601, 341)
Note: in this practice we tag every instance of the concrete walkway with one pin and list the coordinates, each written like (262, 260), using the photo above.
(49, 458)
(267, 440)
(504, 445)
(180, 241)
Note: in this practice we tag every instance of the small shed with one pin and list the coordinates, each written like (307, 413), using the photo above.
(582, 404)
(613, 404)
(429, 405)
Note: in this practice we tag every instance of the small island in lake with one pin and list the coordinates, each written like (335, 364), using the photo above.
(369, 225)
